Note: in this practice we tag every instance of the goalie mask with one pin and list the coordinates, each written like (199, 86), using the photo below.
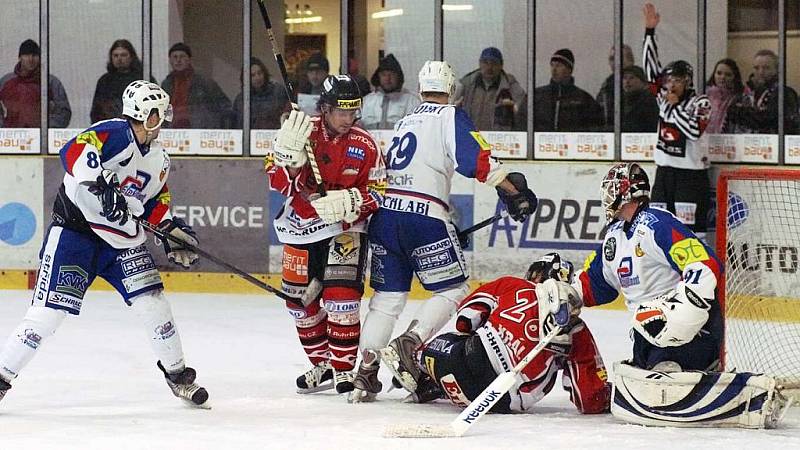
(550, 266)
(673, 319)
(622, 184)
(141, 98)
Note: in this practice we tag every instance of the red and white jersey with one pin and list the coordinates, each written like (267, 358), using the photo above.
(352, 160)
(511, 331)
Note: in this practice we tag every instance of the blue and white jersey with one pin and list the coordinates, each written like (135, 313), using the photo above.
(428, 146)
(142, 171)
(647, 260)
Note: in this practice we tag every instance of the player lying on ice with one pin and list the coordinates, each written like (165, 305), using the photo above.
(94, 233)
(497, 325)
(669, 279)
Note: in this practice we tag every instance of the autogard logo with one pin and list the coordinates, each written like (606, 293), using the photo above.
(17, 223)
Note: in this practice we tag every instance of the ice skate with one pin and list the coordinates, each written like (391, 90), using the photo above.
(318, 379)
(4, 387)
(343, 381)
(366, 385)
(183, 386)
(399, 359)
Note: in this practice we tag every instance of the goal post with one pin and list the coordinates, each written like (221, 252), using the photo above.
(758, 241)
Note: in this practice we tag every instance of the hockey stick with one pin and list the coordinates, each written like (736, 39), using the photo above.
(166, 236)
(287, 85)
(485, 222)
(479, 407)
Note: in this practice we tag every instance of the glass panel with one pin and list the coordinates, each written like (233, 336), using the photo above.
(482, 43)
(792, 112)
(197, 58)
(81, 38)
(19, 106)
(387, 58)
(268, 99)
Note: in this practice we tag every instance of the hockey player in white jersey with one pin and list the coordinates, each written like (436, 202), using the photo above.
(412, 234)
(94, 234)
(670, 280)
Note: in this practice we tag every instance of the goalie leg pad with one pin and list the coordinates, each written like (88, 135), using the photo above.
(40, 322)
(695, 399)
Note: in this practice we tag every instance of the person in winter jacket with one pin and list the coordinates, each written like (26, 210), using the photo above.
(562, 106)
(20, 93)
(123, 68)
(391, 101)
(267, 100)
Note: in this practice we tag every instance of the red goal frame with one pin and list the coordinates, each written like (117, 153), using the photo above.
(722, 220)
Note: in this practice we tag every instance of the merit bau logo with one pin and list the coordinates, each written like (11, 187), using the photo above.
(17, 223)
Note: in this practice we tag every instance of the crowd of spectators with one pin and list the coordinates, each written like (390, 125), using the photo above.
(493, 98)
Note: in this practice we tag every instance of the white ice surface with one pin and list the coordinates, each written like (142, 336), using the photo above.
(94, 385)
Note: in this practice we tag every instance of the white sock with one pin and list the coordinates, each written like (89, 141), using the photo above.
(155, 314)
(38, 324)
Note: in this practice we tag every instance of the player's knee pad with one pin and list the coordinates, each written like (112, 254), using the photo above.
(695, 399)
(343, 312)
(155, 313)
(43, 321)
(308, 316)
(384, 309)
(454, 294)
(437, 310)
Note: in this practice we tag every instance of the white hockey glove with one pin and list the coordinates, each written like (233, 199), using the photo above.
(177, 253)
(344, 204)
(673, 319)
(291, 140)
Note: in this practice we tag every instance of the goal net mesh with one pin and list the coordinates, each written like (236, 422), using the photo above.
(759, 229)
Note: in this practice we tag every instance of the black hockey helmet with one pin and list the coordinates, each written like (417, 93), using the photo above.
(340, 91)
(679, 69)
(550, 266)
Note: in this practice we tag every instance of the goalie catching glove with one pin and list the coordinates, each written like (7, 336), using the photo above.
(178, 253)
(339, 205)
(291, 140)
(115, 207)
(673, 319)
(523, 203)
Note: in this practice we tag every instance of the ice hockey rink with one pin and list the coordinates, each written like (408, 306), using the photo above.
(94, 385)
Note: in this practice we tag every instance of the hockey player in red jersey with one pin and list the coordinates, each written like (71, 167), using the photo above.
(324, 237)
(497, 325)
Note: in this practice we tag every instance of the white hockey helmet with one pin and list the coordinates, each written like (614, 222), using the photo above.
(141, 98)
(622, 184)
(437, 76)
(673, 319)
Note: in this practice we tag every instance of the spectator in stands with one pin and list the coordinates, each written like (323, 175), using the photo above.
(390, 102)
(725, 88)
(639, 106)
(606, 95)
(317, 69)
(20, 93)
(761, 113)
(354, 70)
(493, 98)
(267, 100)
(562, 106)
(123, 68)
(197, 101)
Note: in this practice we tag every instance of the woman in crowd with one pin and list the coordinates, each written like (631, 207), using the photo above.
(725, 88)
(267, 100)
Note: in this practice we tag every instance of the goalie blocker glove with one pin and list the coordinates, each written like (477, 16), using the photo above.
(115, 207)
(523, 203)
(178, 253)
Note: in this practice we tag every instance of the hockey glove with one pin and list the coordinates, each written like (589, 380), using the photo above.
(339, 205)
(291, 140)
(115, 207)
(178, 253)
(523, 203)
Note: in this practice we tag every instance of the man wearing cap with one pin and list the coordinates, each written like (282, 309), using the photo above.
(562, 106)
(492, 98)
(639, 106)
(197, 101)
(20, 93)
(390, 102)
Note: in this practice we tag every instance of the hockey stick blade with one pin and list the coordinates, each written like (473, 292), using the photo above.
(479, 407)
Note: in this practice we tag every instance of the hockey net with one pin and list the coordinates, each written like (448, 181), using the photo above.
(758, 239)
